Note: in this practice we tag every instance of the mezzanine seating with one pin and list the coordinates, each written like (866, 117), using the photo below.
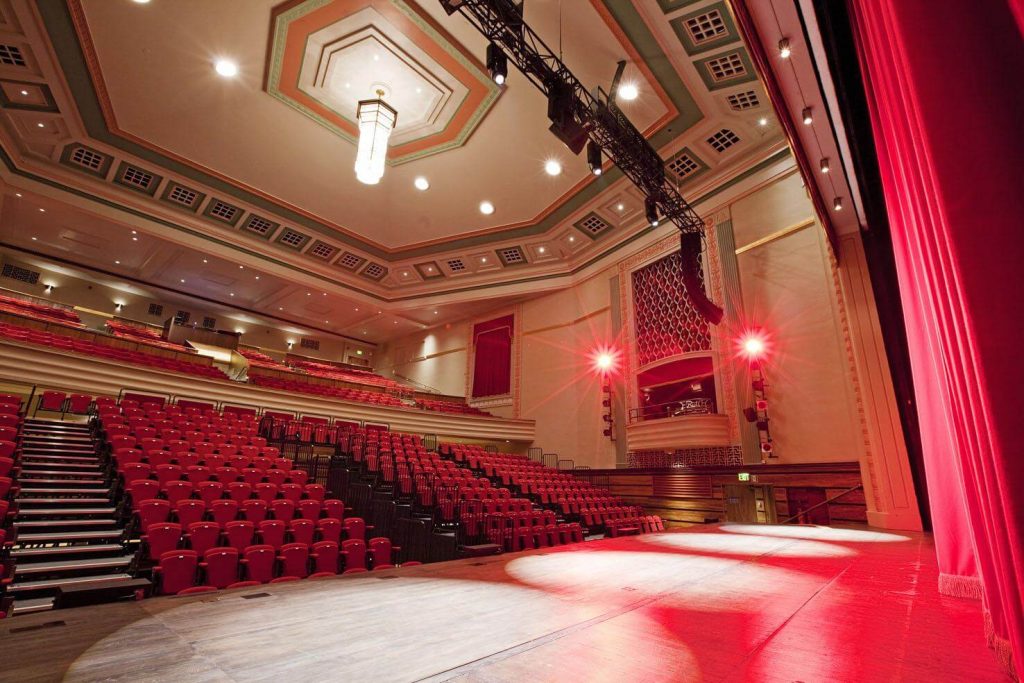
(38, 311)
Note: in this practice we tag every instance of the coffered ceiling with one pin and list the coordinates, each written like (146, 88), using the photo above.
(114, 108)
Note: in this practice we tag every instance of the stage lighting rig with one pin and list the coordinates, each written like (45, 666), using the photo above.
(577, 115)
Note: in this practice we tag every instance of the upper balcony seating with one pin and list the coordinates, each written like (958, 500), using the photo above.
(327, 371)
(94, 349)
(449, 407)
(344, 393)
(259, 359)
(143, 335)
(42, 312)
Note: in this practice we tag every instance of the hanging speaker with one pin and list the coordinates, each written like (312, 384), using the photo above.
(689, 254)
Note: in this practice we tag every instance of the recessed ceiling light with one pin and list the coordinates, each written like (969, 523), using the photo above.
(572, 238)
(628, 91)
(421, 183)
(24, 93)
(430, 269)
(323, 293)
(620, 207)
(763, 121)
(117, 262)
(241, 267)
(327, 321)
(135, 239)
(183, 280)
(231, 294)
(396, 322)
(135, 232)
(356, 309)
(257, 277)
(280, 308)
(41, 124)
(17, 194)
(405, 273)
(541, 250)
(435, 312)
(552, 167)
(309, 294)
(205, 261)
(486, 208)
(226, 68)
(35, 239)
(141, 2)
(42, 210)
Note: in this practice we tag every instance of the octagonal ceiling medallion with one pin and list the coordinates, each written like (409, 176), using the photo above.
(326, 55)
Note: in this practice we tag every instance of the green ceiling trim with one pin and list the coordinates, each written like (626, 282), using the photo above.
(9, 163)
(57, 20)
(686, 38)
(669, 6)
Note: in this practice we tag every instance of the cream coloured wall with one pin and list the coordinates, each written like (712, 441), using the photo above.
(73, 291)
(435, 358)
(788, 288)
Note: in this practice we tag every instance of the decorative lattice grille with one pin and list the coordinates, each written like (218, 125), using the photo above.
(723, 140)
(87, 158)
(666, 323)
(183, 196)
(456, 265)
(350, 260)
(223, 211)
(321, 250)
(292, 238)
(744, 100)
(727, 67)
(11, 55)
(705, 27)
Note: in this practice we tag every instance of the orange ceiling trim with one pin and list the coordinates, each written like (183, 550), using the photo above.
(299, 30)
(83, 32)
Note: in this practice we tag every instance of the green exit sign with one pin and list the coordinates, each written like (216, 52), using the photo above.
(743, 476)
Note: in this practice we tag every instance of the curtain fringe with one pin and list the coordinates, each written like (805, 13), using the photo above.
(959, 586)
(1000, 646)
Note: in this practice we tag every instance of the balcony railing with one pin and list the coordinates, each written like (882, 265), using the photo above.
(657, 411)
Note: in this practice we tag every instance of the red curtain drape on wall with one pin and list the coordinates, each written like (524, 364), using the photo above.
(943, 85)
(492, 357)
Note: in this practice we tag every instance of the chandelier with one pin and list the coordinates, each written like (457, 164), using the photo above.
(376, 121)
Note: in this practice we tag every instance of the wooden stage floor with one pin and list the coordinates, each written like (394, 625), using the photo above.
(734, 603)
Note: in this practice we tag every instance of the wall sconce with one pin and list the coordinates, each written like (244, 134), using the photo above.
(118, 306)
(48, 289)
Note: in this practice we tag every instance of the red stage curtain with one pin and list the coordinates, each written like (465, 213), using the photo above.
(943, 85)
(492, 357)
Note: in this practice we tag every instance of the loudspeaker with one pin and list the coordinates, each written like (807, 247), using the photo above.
(750, 414)
(689, 254)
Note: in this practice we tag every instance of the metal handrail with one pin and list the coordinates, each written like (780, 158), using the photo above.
(824, 502)
(689, 406)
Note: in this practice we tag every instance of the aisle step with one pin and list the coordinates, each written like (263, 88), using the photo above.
(51, 524)
(69, 536)
(32, 464)
(62, 492)
(76, 483)
(85, 459)
(26, 586)
(66, 512)
(62, 501)
(64, 551)
(33, 568)
(32, 605)
(33, 473)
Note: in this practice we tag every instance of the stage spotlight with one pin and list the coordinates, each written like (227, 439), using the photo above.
(752, 345)
(651, 209)
(594, 157)
(497, 64)
(784, 48)
(605, 361)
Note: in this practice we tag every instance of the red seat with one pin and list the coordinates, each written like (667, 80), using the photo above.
(315, 491)
(223, 511)
(258, 563)
(209, 491)
(51, 401)
(161, 538)
(239, 534)
(354, 552)
(198, 473)
(142, 489)
(176, 571)
(266, 491)
(292, 492)
(333, 508)
(202, 536)
(283, 510)
(189, 511)
(294, 558)
(167, 473)
(329, 530)
(309, 509)
(298, 477)
(243, 584)
(177, 490)
(194, 590)
(272, 533)
(239, 491)
(302, 531)
(153, 511)
(220, 567)
(381, 551)
(254, 510)
(252, 475)
(355, 528)
(276, 477)
(325, 556)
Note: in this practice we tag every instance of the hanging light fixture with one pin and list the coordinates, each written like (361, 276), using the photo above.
(376, 121)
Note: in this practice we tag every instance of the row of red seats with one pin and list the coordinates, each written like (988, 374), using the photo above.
(638, 524)
(97, 350)
(343, 393)
(450, 407)
(333, 372)
(11, 420)
(261, 360)
(180, 572)
(37, 311)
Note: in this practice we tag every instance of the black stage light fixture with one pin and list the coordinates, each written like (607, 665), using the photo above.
(594, 157)
(497, 64)
(651, 209)
(689, 256)
(563, 123)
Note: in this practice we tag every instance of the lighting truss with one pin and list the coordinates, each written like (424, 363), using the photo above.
(501, 22)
